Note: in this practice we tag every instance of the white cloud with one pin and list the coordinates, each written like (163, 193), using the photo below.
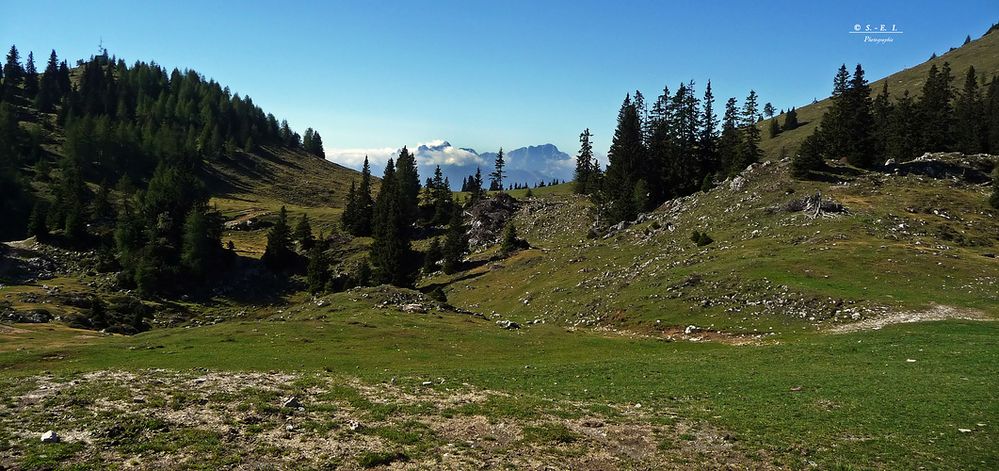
(448, 156)
(354, 158)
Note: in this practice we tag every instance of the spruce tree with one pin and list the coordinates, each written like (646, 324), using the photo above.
(626, 162)
(455, 243)
(584, 164)
(48, 89)
(278, 255)
(348, 218)
(790, 120)
(881, 110)
(970, 123)
(749, 151)
(496, 177)
(936, 114)
(432, 256)
(30, 77)
(708, 144)
(317, 273)
(991, 111)
(860, 121)
(390, 250)
(768, 110)
(197, 248)
(903, 129)
(365, 204)
(36, 222)
(13, 74)
(303, 233)
(730, 140)
(408, 188)
(774, 128)
(809, 156)
(509, 242)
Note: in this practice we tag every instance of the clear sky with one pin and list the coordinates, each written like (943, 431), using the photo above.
(484, 74)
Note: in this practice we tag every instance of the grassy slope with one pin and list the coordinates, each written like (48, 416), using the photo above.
(982, 53)
(844, 400)
(259, 184)
(766, 271)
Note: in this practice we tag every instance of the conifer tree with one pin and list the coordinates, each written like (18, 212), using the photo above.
(903, 129)
(790, 120)
(30, 77)
(749, 151)
(317, 273)
(36, 222)
(991, 111)
(303, 233)
(455, 243)
(881, 110)
(48, 90)
(197, 248)
(13, 74)
(936, 114)
(730, 140)
(365, 204)
(496, 177)
(278, 255)
(408, 188)
(768, 110)
(970, 120)
(433, 255)
(509, 243)
(774, 128)
(708, 143)
(390, 250)
(584, 164)
(809, 156)
(626, 161)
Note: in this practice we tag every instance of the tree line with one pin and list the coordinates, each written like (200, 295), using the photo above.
(143, 134)
(866, 132)
(671, 149)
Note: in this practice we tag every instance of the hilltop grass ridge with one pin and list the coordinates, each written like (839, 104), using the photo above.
(982, 53)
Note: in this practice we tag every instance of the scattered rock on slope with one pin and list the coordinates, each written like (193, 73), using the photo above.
(488, 218)
(971, 168)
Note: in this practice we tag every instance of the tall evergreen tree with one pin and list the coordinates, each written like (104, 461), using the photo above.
(303, 233)
(318, 270)
(749, 151)
(279, 255)
(30, 77)
(198, 247)
(903, 129)
(809, 156)
(970, 123)
(390, 250)
(790, 119)
(881, 111)
(48, 92)
(936, 114)
(730, 140)
(13, 74)
(991, 111)
(584, 164)
(708, 142)
(626, 160)
(496, 177)
(408, 187)
(860, 121)
(455, 243)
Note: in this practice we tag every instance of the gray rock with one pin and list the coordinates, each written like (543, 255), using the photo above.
(508, 324)
(50, 437)
(737, 184)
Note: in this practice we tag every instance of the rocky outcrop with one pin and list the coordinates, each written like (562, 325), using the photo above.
(971, 168)
(488, 218)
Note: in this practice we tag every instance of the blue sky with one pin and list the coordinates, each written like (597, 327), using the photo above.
(374, 75)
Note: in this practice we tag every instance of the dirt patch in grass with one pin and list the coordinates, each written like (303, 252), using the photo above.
(162, 418)
(935, 313)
